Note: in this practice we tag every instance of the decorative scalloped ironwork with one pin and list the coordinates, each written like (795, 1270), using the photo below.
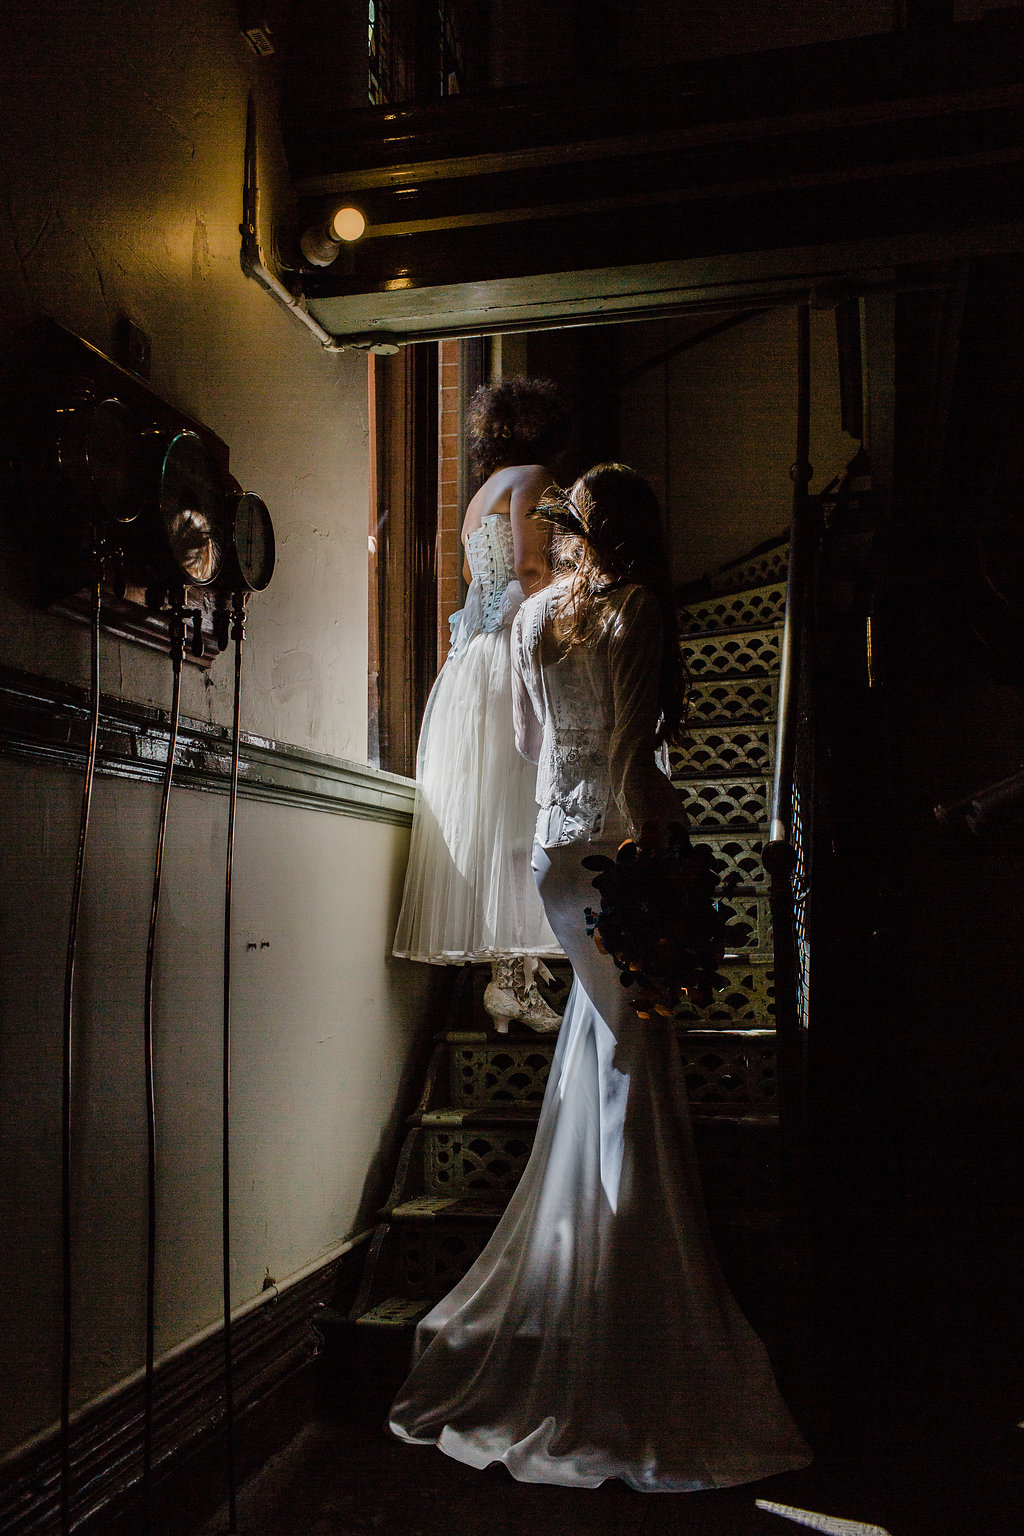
(486, 1072)
(750, 608)
(478, 1159)
(741, 749)
(773, 565)
(748, 998)
(429, 1260)
(738, 857)
(729, 1072)
(725, 699)
(738, 803)
(755, 912)
(750, 652)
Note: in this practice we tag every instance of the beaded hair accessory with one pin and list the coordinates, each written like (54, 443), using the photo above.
(557, 506)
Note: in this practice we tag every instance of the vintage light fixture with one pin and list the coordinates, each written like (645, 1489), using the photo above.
(322, 242)
(348, 224)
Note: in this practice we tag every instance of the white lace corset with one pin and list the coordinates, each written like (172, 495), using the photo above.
(494, 593)
(492, 561)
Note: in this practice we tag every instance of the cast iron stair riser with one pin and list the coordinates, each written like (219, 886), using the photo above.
(769, 563)
(751, 608)
(473, 1129)
(740, 653)
(461, 1161)
(719, 751)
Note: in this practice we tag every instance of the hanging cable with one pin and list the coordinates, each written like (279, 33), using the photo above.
(68, 1054)
(177, 646)
(237, 634)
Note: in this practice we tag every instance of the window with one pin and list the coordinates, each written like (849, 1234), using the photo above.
(416, 49)
(421, 481)
(380, 52)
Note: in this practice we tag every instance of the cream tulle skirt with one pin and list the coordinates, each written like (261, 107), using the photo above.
(469, 889)
(595, 1336)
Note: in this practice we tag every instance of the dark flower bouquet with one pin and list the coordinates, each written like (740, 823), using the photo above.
(659, 919)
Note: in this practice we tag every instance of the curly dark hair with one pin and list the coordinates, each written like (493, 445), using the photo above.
(519, 421)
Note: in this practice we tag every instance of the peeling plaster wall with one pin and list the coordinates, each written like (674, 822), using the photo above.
(121, 190)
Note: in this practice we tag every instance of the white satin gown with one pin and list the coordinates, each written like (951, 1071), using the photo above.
(469, 890)
(595, 1336)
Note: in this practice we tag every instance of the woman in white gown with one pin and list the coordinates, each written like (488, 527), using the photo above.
(595, 1336)
(469, 889)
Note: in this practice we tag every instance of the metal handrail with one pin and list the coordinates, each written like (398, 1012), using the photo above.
(780, 853)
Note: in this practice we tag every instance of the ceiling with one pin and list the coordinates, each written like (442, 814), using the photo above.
(819, 170)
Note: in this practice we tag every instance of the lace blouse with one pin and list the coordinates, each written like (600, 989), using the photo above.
(588, 719)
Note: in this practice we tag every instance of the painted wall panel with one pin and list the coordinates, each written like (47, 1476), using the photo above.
(323, 1025)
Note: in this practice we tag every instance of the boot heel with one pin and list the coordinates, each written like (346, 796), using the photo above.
(500, 1006)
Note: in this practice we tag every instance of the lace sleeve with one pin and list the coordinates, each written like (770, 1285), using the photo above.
(640, 788)
(525, 694)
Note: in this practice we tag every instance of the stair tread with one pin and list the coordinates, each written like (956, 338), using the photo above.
(395, 1312)
(699, 1109)
(719, 722)
(728, 629)
(734, 962)
(449, 1208)
(486, 1114)
(725, 776)
(701, 775)
(544, 1041)
(701, 829)
(732, 675)
(710, 1034)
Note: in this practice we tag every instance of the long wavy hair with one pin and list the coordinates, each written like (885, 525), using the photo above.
(519, 421)
(610, 537)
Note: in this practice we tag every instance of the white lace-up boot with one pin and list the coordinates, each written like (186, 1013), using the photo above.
(512, 995)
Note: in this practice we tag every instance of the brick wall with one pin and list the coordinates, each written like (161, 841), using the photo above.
(449, 512)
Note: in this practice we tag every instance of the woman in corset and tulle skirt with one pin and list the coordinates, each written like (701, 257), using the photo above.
(469, 893)
(595, 1336)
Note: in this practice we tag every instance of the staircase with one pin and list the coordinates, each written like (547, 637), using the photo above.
(471, 1133)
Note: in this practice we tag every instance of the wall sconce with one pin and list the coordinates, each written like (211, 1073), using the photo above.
(321, 242)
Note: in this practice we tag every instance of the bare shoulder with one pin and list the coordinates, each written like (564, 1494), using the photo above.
(493, 496)
(528, 479)
(515, 483)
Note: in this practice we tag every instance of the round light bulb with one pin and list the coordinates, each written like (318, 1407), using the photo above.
(348, 224)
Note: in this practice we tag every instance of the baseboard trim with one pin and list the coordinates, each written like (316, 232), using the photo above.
(272, 1343)
(43, 721)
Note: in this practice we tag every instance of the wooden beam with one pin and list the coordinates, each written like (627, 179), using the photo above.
(898, 138)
